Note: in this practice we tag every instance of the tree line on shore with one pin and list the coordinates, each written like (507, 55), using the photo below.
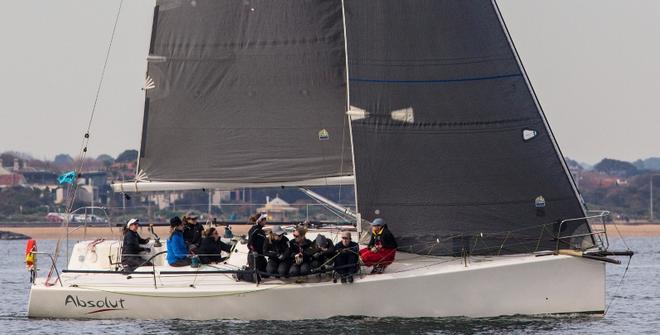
(618, 186)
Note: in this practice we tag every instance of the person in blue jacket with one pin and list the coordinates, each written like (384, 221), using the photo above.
(177, 252)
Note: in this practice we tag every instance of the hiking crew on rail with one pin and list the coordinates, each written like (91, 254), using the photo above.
(270, 253)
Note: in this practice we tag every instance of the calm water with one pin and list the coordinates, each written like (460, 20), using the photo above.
(636, 309)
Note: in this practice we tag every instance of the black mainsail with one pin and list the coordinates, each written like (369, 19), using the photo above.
(246, 92)
(452, 149)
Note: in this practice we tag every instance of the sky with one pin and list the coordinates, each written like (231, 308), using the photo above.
(594, 65)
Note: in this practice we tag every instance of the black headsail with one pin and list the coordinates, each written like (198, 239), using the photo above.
(452, 149)
(246, 92)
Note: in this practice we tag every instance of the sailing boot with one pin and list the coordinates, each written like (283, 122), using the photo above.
(378, 269)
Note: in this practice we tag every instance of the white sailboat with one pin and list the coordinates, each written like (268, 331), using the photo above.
(413, 286)
(423, 106)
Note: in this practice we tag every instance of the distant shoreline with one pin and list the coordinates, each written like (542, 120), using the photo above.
(53, 233)
(645, 229)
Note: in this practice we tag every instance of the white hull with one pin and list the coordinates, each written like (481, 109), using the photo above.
(414, 286)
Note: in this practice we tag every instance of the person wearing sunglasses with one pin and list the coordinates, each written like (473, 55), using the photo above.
(193, 231)
(300, 253)
(346, 262)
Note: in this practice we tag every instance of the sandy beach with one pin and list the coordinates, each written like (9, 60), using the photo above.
(53, 233)
(633, 229)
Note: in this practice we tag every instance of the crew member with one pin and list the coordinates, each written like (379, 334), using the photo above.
(192, 231)
(276, 248)
(177, 253)
(346, 261)
(381, 249)
(300, 253)
(131, 248)
(255, 260)
(322, 251)
(209, 250)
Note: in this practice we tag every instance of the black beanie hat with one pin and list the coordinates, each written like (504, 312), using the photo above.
(175, 221)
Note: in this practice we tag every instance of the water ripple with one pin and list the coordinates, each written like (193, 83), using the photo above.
(635, 310)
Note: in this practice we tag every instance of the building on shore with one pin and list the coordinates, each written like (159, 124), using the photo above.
(10, 178)
(278, 209)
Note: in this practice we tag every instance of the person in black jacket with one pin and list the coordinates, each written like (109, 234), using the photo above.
(211, 246)
(381, 249)
(301, 255)
(322, 251)
(131, 248)
(346, 261)
(255, 244)
(192, 231)
(276, 248)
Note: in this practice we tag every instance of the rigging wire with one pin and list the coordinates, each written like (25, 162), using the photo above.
(618, 286)
(620, 235)
(621, 281)
(72, 191)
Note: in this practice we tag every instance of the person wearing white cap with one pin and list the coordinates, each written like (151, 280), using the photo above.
(381, 249)
(131, 248)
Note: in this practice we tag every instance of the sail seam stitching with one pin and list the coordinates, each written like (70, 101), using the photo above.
(436, 81)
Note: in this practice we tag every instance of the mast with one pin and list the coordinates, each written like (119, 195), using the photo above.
(358, 217)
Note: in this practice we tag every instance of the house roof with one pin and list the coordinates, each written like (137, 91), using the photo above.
(277, 205)
(277, 201)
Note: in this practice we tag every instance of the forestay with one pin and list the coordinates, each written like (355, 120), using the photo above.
(451, 147)
(246, 92)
